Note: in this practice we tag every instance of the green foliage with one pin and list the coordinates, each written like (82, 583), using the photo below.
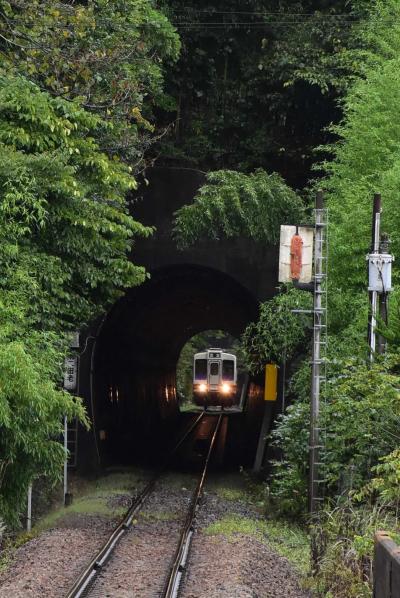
(384, 486)
(31, 412)
(233, 204)
(108, 55)
(278, 332)
(78, 85)
(246, 73)
(65, 236)
(288, 485)
(286, 539)
(347, 531)
(319, 45)
(362, 418)
(366, 159)
(361, 414)
(64, 201)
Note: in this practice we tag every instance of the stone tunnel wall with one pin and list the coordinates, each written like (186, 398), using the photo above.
(127, 373)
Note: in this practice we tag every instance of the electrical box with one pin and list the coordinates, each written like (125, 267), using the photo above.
(380, 272)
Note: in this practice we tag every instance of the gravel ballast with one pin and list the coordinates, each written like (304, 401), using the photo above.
(46, 566)
(237, 565)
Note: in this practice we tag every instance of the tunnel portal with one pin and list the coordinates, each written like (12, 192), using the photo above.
(137, 349)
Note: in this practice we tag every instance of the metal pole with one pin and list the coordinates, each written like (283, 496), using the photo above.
(376, 221)
(383, 298)
(29, 510)
(316, 361)
(65, 459)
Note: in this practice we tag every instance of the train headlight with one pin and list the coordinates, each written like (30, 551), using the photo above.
(202, 387)
(226, 388)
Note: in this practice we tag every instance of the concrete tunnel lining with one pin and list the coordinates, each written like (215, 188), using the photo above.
(138, 348)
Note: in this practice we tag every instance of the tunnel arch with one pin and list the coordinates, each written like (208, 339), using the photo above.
(139, 345)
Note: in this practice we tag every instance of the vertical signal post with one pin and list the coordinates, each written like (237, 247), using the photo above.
(319, 348)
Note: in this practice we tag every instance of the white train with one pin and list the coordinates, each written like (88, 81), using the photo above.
(214, 378)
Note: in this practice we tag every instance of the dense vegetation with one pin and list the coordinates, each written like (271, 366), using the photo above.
(257, 82)
(360, 412)
(271, 98)
(78, 83)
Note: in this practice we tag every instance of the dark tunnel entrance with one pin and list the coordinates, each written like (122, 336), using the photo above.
(136, 406)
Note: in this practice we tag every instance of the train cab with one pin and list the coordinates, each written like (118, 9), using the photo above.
(214, 378)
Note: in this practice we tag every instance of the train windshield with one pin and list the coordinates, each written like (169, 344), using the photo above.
(228, 369)
(214, 369)
(200, 369)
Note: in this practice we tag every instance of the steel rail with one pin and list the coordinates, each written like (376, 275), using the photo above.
(87, 576)
(171, 588)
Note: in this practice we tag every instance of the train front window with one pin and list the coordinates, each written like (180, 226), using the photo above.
(200, 369)
(228, 369)
(214, 369)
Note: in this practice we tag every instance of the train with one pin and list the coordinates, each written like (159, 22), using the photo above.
(214, 378)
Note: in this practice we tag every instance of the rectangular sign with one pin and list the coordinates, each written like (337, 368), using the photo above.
(271, 382)
(306, 233)
(70, 373)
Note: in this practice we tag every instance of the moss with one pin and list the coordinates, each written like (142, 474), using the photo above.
(231, 487)
(287, 540)
(5, 560)
(159, 516)
(232, 494)
(93, 498)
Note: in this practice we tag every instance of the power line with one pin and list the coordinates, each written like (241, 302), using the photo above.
(269, 14)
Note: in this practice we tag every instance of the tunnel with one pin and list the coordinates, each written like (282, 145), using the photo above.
(135, 410)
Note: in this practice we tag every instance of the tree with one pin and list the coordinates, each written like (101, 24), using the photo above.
(78, 85)
(257, 82)
(365, 160)
(108, 55)
(278, 333)
(69, 200)
(233, 204)
(31, 413)
(65, 239)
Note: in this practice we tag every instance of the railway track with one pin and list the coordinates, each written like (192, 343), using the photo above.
(178, 566)
(85, 582)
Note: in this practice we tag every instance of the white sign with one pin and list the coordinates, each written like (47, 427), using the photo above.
(380, 272)
(70, 373)
(286, 257)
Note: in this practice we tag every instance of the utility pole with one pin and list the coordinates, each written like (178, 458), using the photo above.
(70, 434)
(379, 280)
(383, 297)
(29, 509)
(319, 333)
(373, 294)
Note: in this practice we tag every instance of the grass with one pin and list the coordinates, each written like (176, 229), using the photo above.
(93, 499)
(179, 480)
(231, 487)
(287, 540)
(90, 498)
(186, 407)
(159, 516)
